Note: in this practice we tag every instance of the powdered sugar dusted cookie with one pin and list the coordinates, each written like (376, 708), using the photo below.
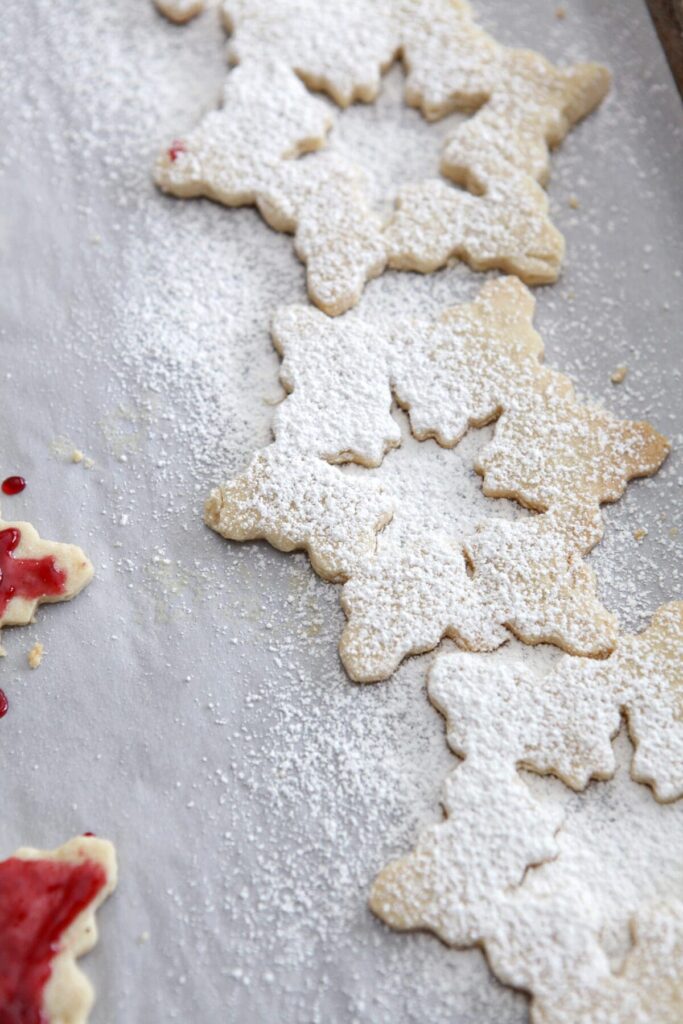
(475, 580)
(463, 868)
(180, 11)
(48, 900)
(339, 384)
(340, 46)
(246, 153)
(538, 937)
(550, 946)
(35, 571)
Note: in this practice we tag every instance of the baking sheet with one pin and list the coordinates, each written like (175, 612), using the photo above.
(190, 705)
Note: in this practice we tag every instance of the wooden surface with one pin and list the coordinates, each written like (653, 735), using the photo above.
(667, 16)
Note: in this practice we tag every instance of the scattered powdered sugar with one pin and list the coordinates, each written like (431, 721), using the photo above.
(254, 803)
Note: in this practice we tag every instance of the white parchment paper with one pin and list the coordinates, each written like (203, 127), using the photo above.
(190, 705)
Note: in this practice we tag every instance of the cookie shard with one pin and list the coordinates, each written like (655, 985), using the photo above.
(531, 572)
(36, 571)
(69, 899)
(506, 229)
(297, 502)
(341, 47)
(451, 62)
(338, 236)
(548, 447)
(245, 154)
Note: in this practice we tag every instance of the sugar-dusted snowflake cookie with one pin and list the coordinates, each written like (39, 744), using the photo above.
(180, 11)
(468, 878)
(48, 900)
(247, 152)
(477, 581)
(35, 571)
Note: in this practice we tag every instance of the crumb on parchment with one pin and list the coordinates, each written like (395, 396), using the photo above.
(640, 533)
(35, 655)
(619, 375)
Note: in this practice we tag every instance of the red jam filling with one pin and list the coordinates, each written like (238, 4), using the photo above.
(26, 577)
(175, 149)
(4, 704)
(39, 899)
(13, 485)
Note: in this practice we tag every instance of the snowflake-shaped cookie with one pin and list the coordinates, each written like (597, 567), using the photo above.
(246, 153)
(35, 571)
(474, 581)
(467, 878)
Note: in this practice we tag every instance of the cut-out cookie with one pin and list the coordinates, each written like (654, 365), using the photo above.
(180, 11)
(473, 582)
(467, 879)
(35, 571)
(48, 900)
(244, 154)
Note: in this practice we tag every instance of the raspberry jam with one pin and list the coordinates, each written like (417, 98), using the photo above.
(13, 485)
(39, 899)
(175, 149)
(4, 704)
(26, 577)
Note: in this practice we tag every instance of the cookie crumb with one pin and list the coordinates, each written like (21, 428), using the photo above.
(640, 533)
(560, 13)
(35, 655)
(77, 455)
(619, 375)
(574, 202)
(3, 652)
(673, 532)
